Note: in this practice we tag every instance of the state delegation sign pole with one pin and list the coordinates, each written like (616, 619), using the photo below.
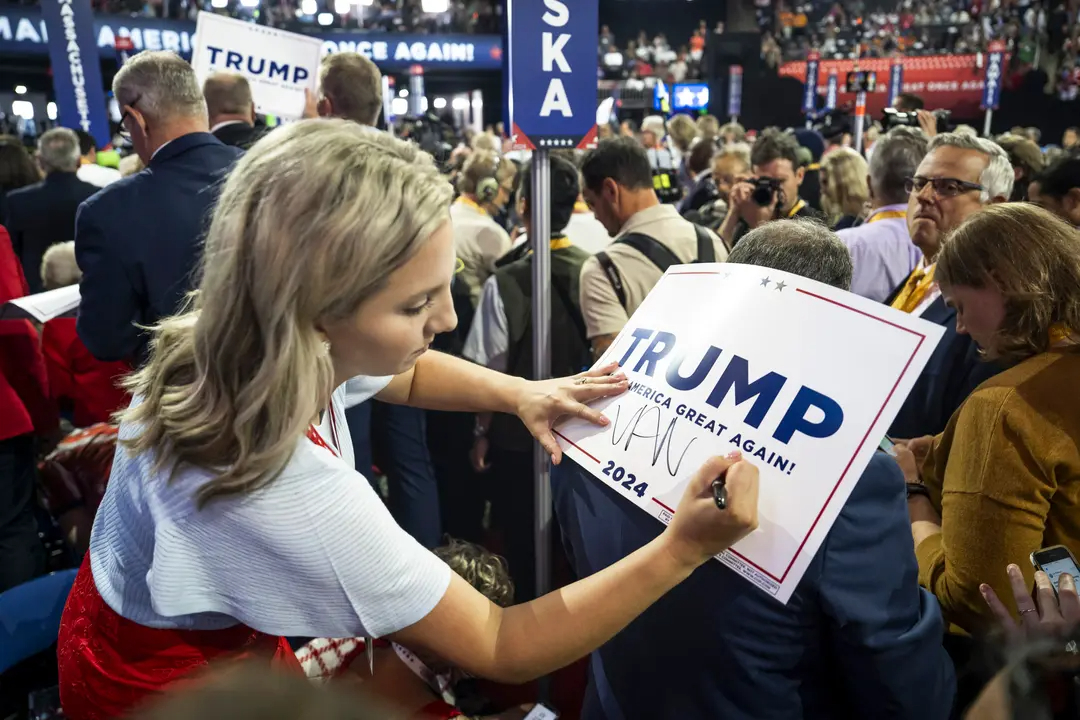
(549, 67)
(541, 329)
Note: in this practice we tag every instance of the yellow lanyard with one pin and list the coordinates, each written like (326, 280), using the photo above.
(559, 242)
(580, 207)
(915, 289)
(1059, 333)
(798, 206)
(887, 215)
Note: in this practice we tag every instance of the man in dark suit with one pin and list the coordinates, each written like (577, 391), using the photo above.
(43, 214)
(958, 176)
(231, 110)
(858, 639)
(138, 241)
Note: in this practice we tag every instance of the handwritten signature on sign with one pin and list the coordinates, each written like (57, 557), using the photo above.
(646, 423)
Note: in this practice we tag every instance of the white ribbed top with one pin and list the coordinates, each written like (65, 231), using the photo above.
(314, 553)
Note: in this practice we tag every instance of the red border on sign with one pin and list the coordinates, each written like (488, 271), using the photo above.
(832, 493)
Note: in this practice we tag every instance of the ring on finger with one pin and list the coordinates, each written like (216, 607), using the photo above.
(582, 381)
(1025, 612)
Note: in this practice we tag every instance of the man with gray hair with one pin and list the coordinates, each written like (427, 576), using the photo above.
(881, 249)
(231, 109)
(959, 176)
(749, 656)
(138, 240)
(43, 214)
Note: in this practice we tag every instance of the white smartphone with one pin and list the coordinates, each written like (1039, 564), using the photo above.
(542, 712)
(1054, 561)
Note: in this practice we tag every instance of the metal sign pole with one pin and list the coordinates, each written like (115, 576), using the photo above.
(860, 116)
(541, 335)
(549, 68)
(987, 120)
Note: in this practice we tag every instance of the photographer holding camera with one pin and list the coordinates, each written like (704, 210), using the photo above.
(772, 192)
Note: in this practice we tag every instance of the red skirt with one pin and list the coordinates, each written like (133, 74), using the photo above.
(109, 665)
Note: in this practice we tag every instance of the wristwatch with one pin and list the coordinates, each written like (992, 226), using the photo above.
(917, 489)
(479, 430)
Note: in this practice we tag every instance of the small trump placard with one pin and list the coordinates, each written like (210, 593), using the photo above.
(803, 378)
(279, 65)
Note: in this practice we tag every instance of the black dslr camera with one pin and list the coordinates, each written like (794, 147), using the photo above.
(898, 118)
(765, 188)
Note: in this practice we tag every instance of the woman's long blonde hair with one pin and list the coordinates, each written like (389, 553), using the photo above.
(311, 222)
(847, 191)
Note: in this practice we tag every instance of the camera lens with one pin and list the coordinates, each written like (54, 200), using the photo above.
(762, 196)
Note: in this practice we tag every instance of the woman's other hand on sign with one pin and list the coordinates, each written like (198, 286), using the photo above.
(700, 530)
(1047, 614)
(542, 404)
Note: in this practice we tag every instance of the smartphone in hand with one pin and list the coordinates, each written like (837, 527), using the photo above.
(1054, 561)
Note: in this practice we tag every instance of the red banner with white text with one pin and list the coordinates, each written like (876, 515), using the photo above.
(951, 82)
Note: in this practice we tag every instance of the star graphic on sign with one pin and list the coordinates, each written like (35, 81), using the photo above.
(780, 286)
(686, 97)
(765, 282)
(703, 97)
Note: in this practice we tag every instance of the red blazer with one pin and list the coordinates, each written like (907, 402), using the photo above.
(76, 375)
(24, 386)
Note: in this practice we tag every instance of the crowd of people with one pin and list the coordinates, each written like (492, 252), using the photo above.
(276, 411)
(644, 57)
(1036, 34)
(463, 16)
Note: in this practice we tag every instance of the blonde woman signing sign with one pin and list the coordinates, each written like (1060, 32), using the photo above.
(234, 515)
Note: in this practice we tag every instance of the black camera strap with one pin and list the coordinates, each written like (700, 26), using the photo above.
(657, 253)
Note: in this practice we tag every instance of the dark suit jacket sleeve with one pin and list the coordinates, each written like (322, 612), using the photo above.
(886, 631)
(109, 307)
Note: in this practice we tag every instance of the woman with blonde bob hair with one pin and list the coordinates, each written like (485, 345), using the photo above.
(844, 190)
(234, 515)
(1003, 480)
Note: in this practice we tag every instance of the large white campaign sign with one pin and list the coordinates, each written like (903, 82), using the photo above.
(279, 65)
(804, 379)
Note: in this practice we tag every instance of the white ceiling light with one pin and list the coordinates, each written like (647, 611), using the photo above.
(461, 103)
(342, 7)
(23, 109)
(435, 6)
(440, 103)
(249, 3)
(50, 110)
(219, 4)
(20, 89)
(309, 7)
(326, 19)
(399, 106)
(403, 93)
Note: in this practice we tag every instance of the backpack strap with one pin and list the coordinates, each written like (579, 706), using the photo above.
(613, 276)
(657, 253)
(706, 251)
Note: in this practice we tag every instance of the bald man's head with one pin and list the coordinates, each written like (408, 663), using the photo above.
(228, 97)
